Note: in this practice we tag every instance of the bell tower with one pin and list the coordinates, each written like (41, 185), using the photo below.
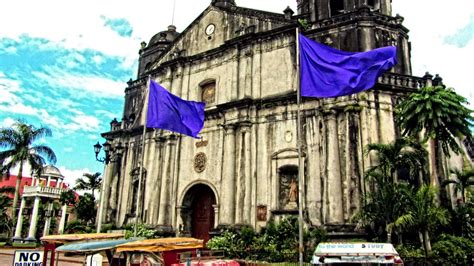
(357, 25)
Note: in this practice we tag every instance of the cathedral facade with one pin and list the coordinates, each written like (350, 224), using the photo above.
(244, 169)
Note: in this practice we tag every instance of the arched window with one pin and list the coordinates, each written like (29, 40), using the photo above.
(208, 92)
(336, 7)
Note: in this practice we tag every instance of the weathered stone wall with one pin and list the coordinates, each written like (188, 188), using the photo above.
(249, 138)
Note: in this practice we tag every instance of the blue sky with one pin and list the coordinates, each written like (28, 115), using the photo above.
(65, 64)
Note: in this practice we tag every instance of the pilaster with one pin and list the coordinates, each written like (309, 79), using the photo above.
(227, 213)
(166, 182)
(335, 215)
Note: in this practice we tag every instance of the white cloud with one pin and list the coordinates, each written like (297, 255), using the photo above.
(84, 123)
(13, 104)
(430, 22)
(80, 25)
(7, 122)
(105, 113)
(82, 86)
(97, 59)
(8, 89)
(71, 175)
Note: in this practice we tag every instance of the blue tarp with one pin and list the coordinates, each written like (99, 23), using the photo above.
(92, 246)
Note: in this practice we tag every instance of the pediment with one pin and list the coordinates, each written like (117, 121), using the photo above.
(216, 26)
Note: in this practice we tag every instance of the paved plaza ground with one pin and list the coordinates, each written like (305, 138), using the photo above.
(6, 258)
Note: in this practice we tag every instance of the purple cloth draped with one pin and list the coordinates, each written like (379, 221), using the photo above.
(168, 111)
(328, 72)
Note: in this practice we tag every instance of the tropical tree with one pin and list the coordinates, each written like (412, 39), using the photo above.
(86, 208)
(91, 182)
(5, 203)
(403, 153)
(464, 180)
(18, 147)
(441, 115)
(383, 205)
(67, 197)
(423, 215)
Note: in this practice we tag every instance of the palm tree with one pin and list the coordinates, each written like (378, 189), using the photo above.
(440, 114)
(404, 153)
(92, 182)
(67, 197)
(18, 144)
(423, 215)
(384, 204)
(464, 180)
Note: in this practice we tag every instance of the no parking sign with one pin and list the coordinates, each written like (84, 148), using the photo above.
(28, 258)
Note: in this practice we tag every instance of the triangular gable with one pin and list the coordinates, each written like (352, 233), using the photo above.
(217, 25)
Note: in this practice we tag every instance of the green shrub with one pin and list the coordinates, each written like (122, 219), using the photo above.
(410, 252)
(277, 242)
(108, 227)
(452, 249)
(77, 226)
(143, 230)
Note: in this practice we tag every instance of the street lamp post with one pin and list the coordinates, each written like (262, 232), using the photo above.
(112, 155)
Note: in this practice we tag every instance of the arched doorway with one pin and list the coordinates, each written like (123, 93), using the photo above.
(197, 211)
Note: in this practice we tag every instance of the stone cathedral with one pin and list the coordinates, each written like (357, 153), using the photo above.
(244, 169)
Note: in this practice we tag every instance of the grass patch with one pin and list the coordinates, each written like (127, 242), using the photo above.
(24, 245)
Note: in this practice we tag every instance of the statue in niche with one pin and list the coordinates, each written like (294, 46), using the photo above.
(288, 188)
(292, 197)
(293, 193)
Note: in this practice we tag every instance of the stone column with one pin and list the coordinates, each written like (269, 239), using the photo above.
(216, 215)
(101, 214)
(156, 195)
(47, 223)
(174, 180)
(244, 193)
(48, 183)
(227, 213)
(164, 212)
(335, 214)
(62, 222)
(34, 221)
(19, 223)
(113, 195)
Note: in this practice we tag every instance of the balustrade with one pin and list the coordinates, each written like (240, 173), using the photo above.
(42, 191)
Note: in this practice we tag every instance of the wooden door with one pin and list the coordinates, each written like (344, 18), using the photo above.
(203, 215)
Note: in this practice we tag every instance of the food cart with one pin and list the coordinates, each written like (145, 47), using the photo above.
(52, 242)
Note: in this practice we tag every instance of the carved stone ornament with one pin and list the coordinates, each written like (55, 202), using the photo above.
(202, 143)
(200, 160)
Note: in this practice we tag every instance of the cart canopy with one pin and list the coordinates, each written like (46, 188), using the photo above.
(62, 239)
(161, 244)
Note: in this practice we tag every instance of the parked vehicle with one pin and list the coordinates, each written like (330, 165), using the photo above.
(356, 253)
